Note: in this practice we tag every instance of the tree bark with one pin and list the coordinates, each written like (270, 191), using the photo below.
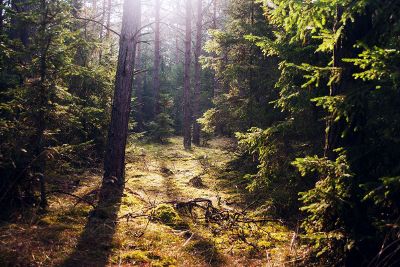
(139, 80)
(38, 140)
(187, 142)
(114, 162)
(139, 89)
(216, 84)
(1, 16)
(108, 23)
(157, 58)
(101, 35)
(197, 70)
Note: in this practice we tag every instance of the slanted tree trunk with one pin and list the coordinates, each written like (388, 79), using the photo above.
(187, 142)
(197, 69)
(114, 162)
(157, 58)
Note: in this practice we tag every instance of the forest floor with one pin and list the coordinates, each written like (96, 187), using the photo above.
(158, 222)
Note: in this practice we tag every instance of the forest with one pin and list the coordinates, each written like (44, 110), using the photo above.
(199, 133)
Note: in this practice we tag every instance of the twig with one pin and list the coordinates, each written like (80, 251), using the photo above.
(187, 240)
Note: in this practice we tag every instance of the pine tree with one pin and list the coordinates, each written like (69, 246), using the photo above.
(114, 162)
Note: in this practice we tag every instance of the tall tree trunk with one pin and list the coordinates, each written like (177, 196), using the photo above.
(38, 140)
(250, 93)
(108, 23)
(139, 89)
(177, 50)
(94, 3)
(214, 17)
(114, 162)
(187, 140)
(102, 20)
(216, 84)
(157, 58)
(1, 16)
(197, 69)
(139, 79)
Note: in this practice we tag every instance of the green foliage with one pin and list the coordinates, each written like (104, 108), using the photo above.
(274, 149)
(385, 194)
(332, 57)
(208, 121)
(376, 63)
(265, 145)
(242, 75)
(327, 205)
(311, 89)
(161, 128)
(51, 98)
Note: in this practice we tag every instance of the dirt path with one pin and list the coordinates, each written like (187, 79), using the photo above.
(161, 235)
(165, 172)
(157, 174)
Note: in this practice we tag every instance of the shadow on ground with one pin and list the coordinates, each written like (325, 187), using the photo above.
(96, 242)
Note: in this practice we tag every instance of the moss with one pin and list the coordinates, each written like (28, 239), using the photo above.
(167, 214)
(165, 262)
(68, 217)
(74, 215)
(129, 200)
(140, 256)
(265, 244)
(81, 211)
(280, 236)
(135, 256)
